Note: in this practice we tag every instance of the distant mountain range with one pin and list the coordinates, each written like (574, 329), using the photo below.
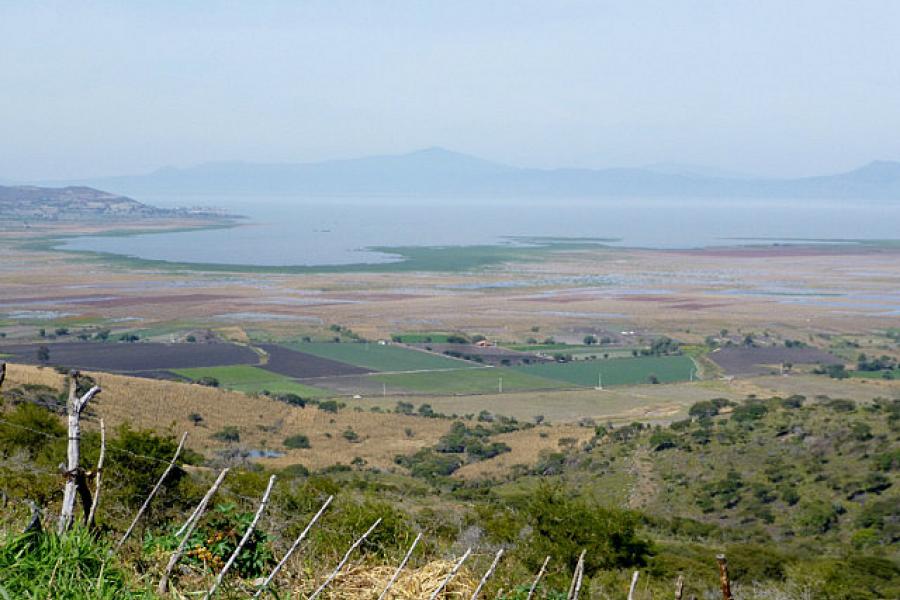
(439, 172)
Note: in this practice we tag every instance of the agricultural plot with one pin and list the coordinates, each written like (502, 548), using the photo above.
(620, 371)
(424, 337)
(249, 379)
(468, 381)
(136, 358)
(300, 365)
(377, 357)
(737, 360)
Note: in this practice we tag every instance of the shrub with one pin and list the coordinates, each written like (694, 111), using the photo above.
(331, 406)
(208, 381)
(298, 441)
(229, 433)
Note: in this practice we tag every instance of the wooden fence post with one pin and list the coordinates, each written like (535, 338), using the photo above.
(74, 475)
(150, 496)
(575, 586)
(287, 555)
(634, 580)
(487, 575)
(723, 577)
(679, 587)
(400, 568)
(244, 539)
(537, 579)
(163, 586)
(451, 574)
(89, 521)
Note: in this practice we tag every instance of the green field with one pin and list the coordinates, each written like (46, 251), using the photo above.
(426, 337)
(874, 374)
(546, 347)
(249, 379)
(379, 358)
(619, 371)
(468, 381)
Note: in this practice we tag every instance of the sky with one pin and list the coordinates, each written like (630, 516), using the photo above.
(764, 87)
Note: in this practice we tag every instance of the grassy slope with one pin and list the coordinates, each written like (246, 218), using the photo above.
(377, 357)
(620, 371)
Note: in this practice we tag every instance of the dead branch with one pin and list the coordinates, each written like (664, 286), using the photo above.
(538, 578)
(723, 577)
(451, 574)
(487, 575)
(344, 560)
(192, 523)
(240, 546)
(98, 474)
(291, 550)
(74, 475)
(34, 523)
(634, 580)
(153, 492)
(400, 568)
(575, 586)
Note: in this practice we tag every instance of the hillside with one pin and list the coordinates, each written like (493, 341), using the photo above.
(800, 493)
(439, 172)
(79, 203)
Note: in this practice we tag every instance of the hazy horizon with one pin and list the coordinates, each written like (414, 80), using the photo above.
(762, 88)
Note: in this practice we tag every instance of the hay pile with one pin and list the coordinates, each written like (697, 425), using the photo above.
(366, 582)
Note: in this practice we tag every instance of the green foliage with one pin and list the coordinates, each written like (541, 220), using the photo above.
(27, 430)
(229, 433)
(562, 526)
(68, 567)
(298, 441)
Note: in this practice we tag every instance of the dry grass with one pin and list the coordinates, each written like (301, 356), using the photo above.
(364, 582)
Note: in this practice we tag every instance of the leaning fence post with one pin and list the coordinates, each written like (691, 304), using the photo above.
(634, 580)
(74, 476)
(97, 475)
(400, 568)
(192, 523)
(240, 546)
(2, 371)
(451, 574)
(344, 560)
(487, 575)
(723, 577)
(293, 547)
(150, 496)
(679, 587)
(538, 578)
(576, 577)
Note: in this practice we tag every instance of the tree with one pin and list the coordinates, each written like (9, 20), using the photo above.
(589, 340)
(43, 355)
(195, 418)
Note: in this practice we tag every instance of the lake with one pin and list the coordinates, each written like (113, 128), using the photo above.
(283, 231)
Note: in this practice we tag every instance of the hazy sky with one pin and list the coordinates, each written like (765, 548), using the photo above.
(771, 87)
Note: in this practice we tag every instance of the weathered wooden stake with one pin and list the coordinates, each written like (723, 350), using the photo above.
(291, 550)
(396, 574)
(73, 473)
(723, 577)
(240, 546)
(344, 560)
(634, 580)
(451, 574)
(97, 476)
(2, 372)
(487, 575)
(679, 587)
(537, 579)
(192, 523)
(153, 492)
(576, 577)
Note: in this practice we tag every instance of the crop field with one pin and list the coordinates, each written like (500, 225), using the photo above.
(423, 338)
(468, 381)
(246, 378)
(620, 371)
(760, 361)
(301, 365)
(120, 357)
(377, 357)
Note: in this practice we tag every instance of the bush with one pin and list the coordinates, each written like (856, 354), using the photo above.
(298, 441)
(229, 433)
(207, 381)
(331, 406)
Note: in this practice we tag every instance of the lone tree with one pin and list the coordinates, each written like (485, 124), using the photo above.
(590, 340)
(43, 355)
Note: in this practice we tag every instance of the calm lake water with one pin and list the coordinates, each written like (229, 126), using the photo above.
(333, 231)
